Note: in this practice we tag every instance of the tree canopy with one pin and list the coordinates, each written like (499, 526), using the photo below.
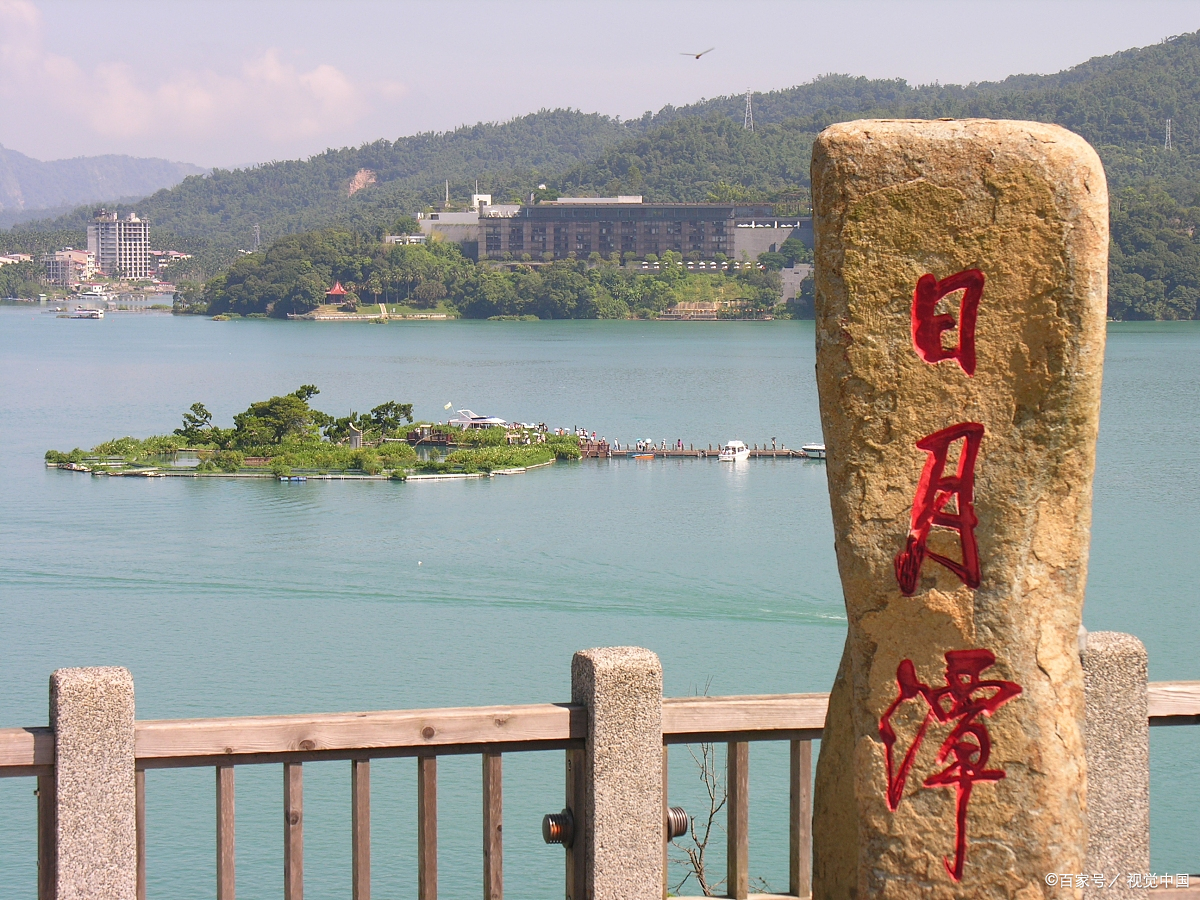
(293, 275)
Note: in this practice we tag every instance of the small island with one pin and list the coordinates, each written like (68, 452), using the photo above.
(285, 437)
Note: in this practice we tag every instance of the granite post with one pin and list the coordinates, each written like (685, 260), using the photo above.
(961, 274)
(91, 713)
(622, 827)
(1117, 736)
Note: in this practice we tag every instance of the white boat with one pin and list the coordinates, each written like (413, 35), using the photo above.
(468, 419)
(95, 295)
(814, 451)
(87, 312)
(734, 451)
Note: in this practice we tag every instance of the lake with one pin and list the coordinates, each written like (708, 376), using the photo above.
(254, 597)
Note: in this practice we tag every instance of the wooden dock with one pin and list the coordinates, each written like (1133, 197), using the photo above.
(604, 450)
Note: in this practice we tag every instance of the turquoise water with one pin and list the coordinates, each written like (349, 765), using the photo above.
(235, 598)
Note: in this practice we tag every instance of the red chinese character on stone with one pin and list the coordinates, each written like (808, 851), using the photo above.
(935, 490)
(927, 326)
(963, 701)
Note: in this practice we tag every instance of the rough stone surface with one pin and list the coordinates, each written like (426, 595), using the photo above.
(91, 712)
(1026, 204)
(1117, 735)
(621, 687)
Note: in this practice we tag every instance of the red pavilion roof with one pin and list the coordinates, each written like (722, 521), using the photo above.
(336, 291)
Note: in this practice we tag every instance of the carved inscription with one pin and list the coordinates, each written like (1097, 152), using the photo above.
(935, 491)
(965, 698)
(928, 325)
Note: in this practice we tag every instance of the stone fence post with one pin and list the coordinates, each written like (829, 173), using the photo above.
(619, 836)
(1117, 739)
(92, 714)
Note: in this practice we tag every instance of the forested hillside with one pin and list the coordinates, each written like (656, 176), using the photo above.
(1120, 103)
(369, 185)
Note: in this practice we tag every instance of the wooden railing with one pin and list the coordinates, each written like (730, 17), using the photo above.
(489, 731)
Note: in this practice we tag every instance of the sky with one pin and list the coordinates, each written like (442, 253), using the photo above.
(226, 84)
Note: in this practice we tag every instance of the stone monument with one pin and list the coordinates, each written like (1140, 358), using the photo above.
(960, 301)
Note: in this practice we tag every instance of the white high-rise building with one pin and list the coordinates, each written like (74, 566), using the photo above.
(121, 247)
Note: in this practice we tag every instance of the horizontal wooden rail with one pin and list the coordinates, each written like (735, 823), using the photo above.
(749, 718)
(1173, 702)
(494, 729)
(422, 732)
(26, 751)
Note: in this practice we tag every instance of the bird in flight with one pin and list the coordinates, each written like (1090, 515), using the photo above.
(700, 54)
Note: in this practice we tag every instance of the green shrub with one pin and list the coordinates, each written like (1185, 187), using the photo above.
(482, 437)
(228, 460)
(396, 455)
(565, 446)
(58, 458)
(487, 459)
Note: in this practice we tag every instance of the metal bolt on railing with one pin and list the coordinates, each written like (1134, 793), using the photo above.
(678, 822)
(559, 828)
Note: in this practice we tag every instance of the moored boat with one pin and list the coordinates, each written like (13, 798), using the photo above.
(814, 451)
(86, 312)
(734, 451)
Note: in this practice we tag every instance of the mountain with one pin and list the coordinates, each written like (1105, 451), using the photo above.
(1120, 103)
(375, 183)
(28, 185)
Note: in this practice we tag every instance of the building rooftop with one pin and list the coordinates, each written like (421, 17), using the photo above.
(632, 198)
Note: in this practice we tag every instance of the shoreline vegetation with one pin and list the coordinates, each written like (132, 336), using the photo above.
(285, 437)
(291, 279)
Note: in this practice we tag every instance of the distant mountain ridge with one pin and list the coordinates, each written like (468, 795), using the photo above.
(1120, 103)
(28, 184)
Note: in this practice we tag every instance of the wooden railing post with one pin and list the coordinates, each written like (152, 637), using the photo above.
(665, 806)
(738, 823)
(800, 843)
(47, 848)
(226, 835)
(493, 827)
(293, 831)
(427, 868)
(360, 829)
(140, 830)
(576, 801)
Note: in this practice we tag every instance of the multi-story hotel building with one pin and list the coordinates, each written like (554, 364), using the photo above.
(621, 225)
(67, 266)
(121, 247)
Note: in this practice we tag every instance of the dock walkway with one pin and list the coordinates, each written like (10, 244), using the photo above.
(602, 450)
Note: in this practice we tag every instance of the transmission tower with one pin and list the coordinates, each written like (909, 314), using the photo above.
(257, 238)
(1167, 140)
(749, 126)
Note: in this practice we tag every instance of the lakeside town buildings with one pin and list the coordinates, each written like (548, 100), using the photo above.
(580, 226)
(69, 266)
(121, 247)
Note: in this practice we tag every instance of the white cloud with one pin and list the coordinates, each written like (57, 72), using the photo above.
(266, 101)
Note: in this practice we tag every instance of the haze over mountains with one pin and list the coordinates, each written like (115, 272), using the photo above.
(1120, 103)
(30, 188)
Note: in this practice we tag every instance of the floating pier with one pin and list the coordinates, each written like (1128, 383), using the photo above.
(605, 450)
